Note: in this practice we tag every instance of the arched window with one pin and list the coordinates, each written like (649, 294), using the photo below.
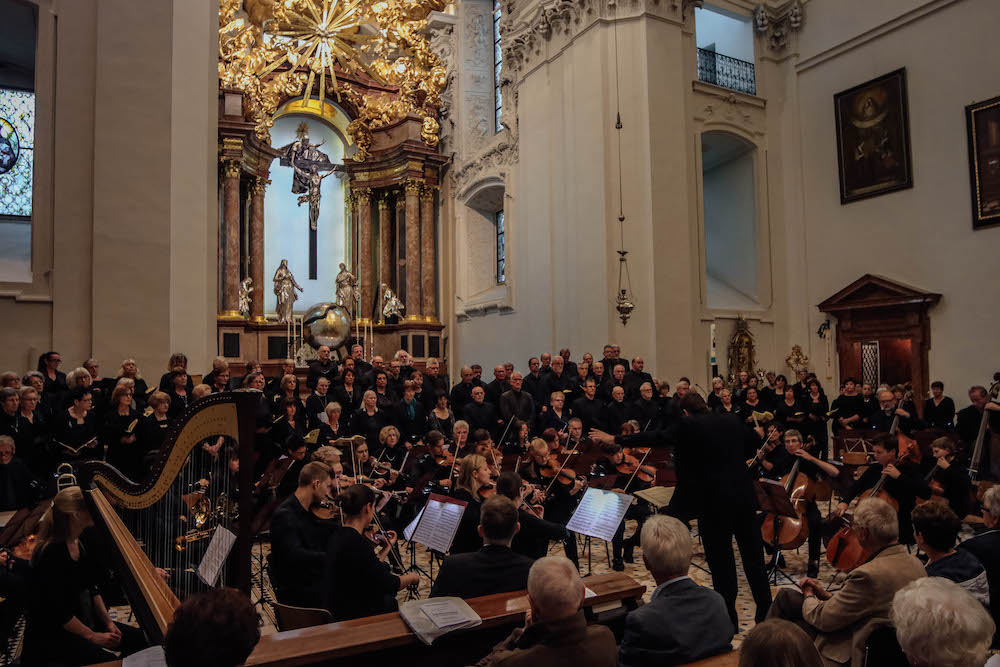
(730, 206)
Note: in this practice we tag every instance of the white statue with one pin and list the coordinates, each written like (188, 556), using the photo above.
(391, 305)
(347, 294)
(245, 289)
(284, 289)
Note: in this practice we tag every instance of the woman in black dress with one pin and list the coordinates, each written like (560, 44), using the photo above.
(472, 476)
(153, 427)
(291, 422)
(288, 390)
(140, 391)
(180, 395)
(68, 623)
(121, 435)
(76, 428)
(178, 363)
(789, 411)
(939, 410)
(367, 421)
(348, 394)
(359, 582)
(55, 381)
(816, 410)
(33, 437)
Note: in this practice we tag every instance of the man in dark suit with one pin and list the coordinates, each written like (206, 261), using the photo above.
(322, 367)
(969, 419)
(569, 367)
(499, 384)
(588, 408)
(482, 414)
(683, 622)
(555, 380)
(493, 569)
(634, 378)
(533, 380)
(986, 547)
(714, 488)
(461, 393)
(517, 402)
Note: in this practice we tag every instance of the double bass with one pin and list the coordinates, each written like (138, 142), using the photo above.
(977, 450)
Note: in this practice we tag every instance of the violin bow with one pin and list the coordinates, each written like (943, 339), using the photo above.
(562, 465)
(636, 471)
(509, 422)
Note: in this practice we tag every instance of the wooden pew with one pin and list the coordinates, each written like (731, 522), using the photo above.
(386, 637)
(731, 659)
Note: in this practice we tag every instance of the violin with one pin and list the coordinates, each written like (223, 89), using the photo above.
(487, 491)
(444, 459)
(379, 538)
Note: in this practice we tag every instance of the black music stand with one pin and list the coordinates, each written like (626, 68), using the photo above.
(773, 499)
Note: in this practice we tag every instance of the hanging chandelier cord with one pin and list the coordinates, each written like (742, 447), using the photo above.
(623, 298)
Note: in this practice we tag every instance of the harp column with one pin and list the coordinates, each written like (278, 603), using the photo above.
(429, 289)
(412, 302)
(366, 273)
(257, 248)
(231, 241)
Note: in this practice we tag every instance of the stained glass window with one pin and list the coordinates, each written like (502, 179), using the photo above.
(17, 143)
(501, 249)
(497, 66)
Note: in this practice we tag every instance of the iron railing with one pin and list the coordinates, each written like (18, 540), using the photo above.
(731, 73)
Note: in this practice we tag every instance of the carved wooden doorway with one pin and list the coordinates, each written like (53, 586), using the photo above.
(883, 332)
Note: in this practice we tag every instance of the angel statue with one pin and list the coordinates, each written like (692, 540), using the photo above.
(306, 156)
(245, 289)
(391, 305)
(284, 289)
(347, 284)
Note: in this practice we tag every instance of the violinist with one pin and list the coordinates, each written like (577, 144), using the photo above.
(532, 540)
(948, 478)
(562, 491)
(358, 581)
(473, 476)
(459, 437)
(902, 482)
(521, 441)
(538, 461)
(393, 454)
(814, 469)
(762, 464)
(299, 539)
(436, 464)
(363, 467)
(620, 465)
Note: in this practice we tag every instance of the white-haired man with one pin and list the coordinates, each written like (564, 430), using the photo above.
(683, 621)
(555, 630)
(841, 622)
(938, 622)
(986, 547)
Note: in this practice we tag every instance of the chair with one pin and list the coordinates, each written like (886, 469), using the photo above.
(882, 649)
(293, 618)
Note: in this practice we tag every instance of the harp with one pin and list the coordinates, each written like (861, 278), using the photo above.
(169, 520)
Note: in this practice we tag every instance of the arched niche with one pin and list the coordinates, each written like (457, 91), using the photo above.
(478, 213)
(286, 221)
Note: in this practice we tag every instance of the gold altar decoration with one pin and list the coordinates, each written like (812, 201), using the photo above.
(272, 50)
(742, 355)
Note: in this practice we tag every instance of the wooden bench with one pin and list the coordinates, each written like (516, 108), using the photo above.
(731, 659)
(386, 637)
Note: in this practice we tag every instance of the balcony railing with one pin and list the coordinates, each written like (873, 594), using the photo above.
(731, 73)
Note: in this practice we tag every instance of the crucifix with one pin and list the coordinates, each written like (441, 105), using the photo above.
(307, 163)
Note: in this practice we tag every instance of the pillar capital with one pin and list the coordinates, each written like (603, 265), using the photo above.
(427, 192)
(413, 187)
(383, 202)
(260, 186)
(364, 196)
(231, 168)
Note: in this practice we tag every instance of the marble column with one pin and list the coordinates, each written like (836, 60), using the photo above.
(412, 301)
(230, 241)
(366, 273)
(427, 264)
(400, 199)
(384, 242)
(257, 249)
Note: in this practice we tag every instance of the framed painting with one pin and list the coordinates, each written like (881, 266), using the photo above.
(983, 121)
(873, 138)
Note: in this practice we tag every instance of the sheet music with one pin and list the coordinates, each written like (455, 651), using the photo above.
(408, 531)
(439, 522)
(216, 554)
(600, 513)
(445, 613)
(150, 657)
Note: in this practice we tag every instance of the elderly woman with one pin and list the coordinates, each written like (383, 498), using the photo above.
(121, 434)
(17, 484)
(288, 390)
(178, 362)
(330, 430)
(68, 623)
(33, 437)
(140, 391)
(153, 427)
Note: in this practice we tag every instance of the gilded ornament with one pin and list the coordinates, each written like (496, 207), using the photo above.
(413, 187)
(231, 168)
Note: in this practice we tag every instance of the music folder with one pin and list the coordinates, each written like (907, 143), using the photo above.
(438, 522)
(773, 499)
(600, 513)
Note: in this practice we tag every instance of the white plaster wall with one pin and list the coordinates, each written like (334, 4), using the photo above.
(730, 225)
(732, 37)
(922, 236)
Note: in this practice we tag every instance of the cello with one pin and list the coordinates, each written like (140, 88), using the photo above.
(783, 531)
(907, 445)
(977, 450)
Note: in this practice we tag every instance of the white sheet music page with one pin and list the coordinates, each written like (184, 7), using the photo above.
(216, 554)
(600, 513)
(439, 523)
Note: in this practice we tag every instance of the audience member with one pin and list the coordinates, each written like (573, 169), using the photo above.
(555, 630)
(683, 621)
(217, 628)
(936, 529)
(778, 643)
(493, 569)
(986, 547)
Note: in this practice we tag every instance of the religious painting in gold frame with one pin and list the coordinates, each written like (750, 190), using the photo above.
(983, 126)
(873, 138)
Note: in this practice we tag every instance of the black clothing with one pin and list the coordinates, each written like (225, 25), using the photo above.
(549, 419)
(167, 383)
(957, 486)
(298, 554)
(713, 486)
(789, 415)
(314, 409)
(941, 415)
(18, 487)
(56, 387)
(714, 401)
(281, 430)
(434, 384)
(277, 406)
(533, 385)
(769, 397)
(461, 395)
(846, 407)
(605, 389)
(552, 383)
(387, 400)
(126, 456)
(614, 416)
(905, 489)
(517, 403)
(880, 421)
(318, 369)
(535, 534)
(178, 404)
(327, 435)
(482, 415)
(151, 433)
(986, 547)
(349, 401)
(591, 413)
(467, 536)
(74, 435)
(632, 381)
(969, 419)
(368, 426)
(492, 569)
(815, 423)
(357, 583)
(783, 463)
(445, 426)
(33, 442)
(411, 420)
(496, 389)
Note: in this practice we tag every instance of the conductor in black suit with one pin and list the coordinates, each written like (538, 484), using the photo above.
(493, 569)
(713, 487)
(683, 622)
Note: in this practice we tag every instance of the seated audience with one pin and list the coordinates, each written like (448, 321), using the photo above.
(555, 630)
(299, 539)
(683, 621)
(217, 628)
(939, 625)
(936, 528)
(986, 547)
(778, 643)
(840, 622)
(493, 569)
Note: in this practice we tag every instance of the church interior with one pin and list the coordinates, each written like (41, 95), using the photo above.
(393, 258)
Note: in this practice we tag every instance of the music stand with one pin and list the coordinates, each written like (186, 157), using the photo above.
(773, 499)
